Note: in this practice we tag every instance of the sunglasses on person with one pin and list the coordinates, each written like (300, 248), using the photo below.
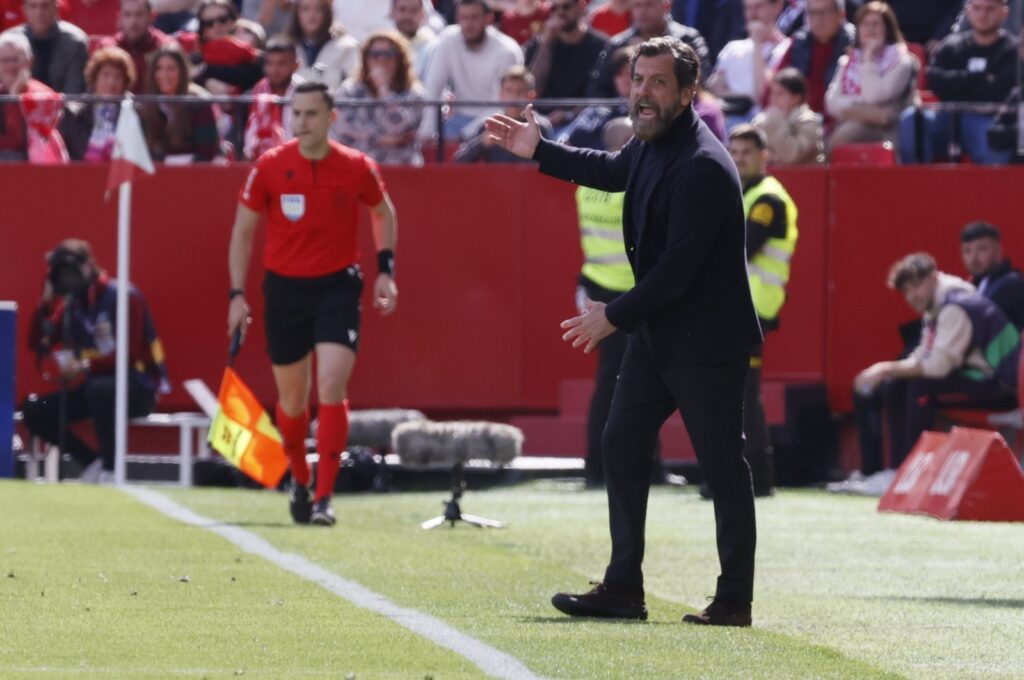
(210, 23)
(388, 53)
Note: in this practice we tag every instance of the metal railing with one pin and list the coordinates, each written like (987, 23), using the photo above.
(441, 107)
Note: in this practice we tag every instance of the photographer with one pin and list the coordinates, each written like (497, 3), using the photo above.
(75, 325)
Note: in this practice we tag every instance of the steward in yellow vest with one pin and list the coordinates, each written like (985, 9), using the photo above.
(771, 242)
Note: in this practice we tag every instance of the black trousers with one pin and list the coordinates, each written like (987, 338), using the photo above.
(910, 406)
(758, 448)
(610, 352)
(94, 399)
(710, 400)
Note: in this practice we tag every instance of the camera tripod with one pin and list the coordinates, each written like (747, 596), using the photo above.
(453, 513)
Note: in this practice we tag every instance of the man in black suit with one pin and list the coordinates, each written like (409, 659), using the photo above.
(981, 246)
(690, 317)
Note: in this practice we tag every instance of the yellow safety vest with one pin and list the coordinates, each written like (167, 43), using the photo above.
(768, 270)
(604, 253)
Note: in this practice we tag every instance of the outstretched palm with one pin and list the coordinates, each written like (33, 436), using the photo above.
(515, 136)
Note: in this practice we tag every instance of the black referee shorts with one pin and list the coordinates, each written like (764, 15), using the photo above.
(300, 312)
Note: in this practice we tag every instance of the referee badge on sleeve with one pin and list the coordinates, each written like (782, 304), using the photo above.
(293, 206)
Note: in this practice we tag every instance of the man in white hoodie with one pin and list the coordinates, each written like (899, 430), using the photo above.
(967, 357)
(468, 59)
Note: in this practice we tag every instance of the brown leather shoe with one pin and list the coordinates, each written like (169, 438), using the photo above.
(722, 613)
(603, 601)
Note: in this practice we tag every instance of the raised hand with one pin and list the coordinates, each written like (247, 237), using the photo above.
(513, 135)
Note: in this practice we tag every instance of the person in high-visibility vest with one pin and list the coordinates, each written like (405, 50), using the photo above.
(605, 275)
(771, 241)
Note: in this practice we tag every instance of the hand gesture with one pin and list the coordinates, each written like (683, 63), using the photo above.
(514, 136)
(589, 328)
(385, 294)
(239, 315)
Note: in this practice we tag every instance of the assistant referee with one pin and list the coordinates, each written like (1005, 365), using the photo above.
(310, 190)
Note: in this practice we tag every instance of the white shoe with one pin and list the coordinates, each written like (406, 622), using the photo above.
(848, 484)
(877, 484)
(106, 477)
(91, 473)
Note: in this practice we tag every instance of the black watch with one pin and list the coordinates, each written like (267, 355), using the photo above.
(235, 292)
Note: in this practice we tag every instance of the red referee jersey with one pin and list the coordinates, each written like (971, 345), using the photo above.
(312, 207)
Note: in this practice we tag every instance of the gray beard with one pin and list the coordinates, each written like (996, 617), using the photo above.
(650, 130)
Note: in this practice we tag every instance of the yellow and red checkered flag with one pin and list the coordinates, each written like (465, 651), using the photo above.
(243, 434)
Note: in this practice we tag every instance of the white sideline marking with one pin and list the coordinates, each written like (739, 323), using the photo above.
(491, 661)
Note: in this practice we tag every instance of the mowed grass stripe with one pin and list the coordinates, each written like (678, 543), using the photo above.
(93, 584)
(490, 660)
(496, 585)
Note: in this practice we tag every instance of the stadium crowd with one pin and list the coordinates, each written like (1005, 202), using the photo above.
(929, 79)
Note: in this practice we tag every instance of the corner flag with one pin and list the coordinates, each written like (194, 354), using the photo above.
(130, 150)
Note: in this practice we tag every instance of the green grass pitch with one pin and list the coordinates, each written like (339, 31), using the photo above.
(95, 584)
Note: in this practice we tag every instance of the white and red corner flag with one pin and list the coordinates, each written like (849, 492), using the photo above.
(130, 150)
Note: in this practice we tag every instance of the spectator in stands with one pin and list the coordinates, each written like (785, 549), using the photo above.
(270, 123)
(874, 83)
(517, 85)
(408, 16)
(709, 109)
(466, 59)
(793, 133)
(15, 78)
(228, 65)
(271, 15)
(388, 134)
(815, 50)
(77, 289)
(363, 17)
(1003, 134)
(174, 16)
(586, 130)
(926, 22)
(251, 33)
(650, 20)
(981, 246)
(88, 129)
(138, 37)
(976, 67)
(59, 49)
(521, 20)
(719, 21)
(612, 17)
(321, 41)
(562, 56)
(178, 133)
(744, 67)
(967, 357)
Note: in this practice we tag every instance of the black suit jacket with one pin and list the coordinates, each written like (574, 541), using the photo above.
(691, 302)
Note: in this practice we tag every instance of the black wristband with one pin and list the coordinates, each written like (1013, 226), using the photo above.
(386, 262)
(235, 292)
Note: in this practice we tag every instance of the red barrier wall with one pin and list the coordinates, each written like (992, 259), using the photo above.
(487, 262)
(878, 216)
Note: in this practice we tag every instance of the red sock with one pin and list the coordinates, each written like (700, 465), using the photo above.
(331, 437)
(293, 431)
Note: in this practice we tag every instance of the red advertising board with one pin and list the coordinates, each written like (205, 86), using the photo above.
(967, 474)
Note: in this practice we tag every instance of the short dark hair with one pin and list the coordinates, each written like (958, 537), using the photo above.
(749, 133)
(911, 269)
(792, 81)
(322, 88)
(621, 57)
(687, 64)
(980, 229)
(280, 44)
(483, 4)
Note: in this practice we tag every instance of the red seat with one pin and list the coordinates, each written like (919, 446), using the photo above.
(876, 155)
